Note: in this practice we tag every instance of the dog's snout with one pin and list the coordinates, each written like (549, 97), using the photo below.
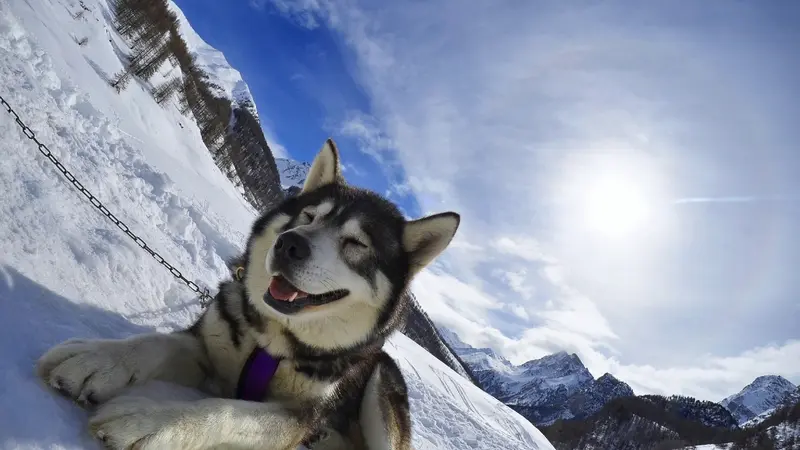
(292, 246)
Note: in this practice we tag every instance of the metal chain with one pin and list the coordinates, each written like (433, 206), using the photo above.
(205, 296)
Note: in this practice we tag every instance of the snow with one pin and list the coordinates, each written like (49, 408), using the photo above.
(66, 271)
(487, 359)
(458, 414)
(227, 80)
(532, 382)
(293, 173)
(764, 393)
(784, 433)
(758, 419)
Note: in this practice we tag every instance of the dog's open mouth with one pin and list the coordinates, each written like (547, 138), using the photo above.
(286, 298)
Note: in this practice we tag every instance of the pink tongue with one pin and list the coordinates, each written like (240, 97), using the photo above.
(279, 289)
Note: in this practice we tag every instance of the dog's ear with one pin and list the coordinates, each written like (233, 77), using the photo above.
(325, 169)
(424, 239)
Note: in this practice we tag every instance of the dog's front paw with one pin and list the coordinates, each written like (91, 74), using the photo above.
(139, 423)
(89, 371)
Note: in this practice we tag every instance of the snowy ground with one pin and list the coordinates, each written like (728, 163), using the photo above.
(65, 271)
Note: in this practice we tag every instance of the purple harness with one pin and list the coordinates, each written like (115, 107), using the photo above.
(256, 375)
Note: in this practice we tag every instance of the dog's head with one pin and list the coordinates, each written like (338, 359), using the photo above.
(337, 259)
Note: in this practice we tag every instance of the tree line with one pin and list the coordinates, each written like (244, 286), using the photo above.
(231, 132)
(665, 423)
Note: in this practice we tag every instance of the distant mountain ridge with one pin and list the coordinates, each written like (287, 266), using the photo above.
(544, 390)
(765, 393)
(577, 412)
(293, 174)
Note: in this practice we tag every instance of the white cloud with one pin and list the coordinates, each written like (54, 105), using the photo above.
(518, 282)
(350, 168)
(717, 377)
(278, 150)
(463, 309)
(367, 132)
(522, 247)
(303, 12)
(505, 119)
(519, 311)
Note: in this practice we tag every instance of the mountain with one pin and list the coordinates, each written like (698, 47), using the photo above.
(544, 390)
(644, 423)
(764, 393)
(780, 430)
(656, 422)
(293, 174)
(226, 81)
(704, 412)
(74, 273)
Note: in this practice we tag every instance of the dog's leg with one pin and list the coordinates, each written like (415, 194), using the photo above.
(147, 424)
(385, 418)
(93, 371)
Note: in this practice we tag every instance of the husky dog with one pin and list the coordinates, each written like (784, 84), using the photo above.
(290, 350)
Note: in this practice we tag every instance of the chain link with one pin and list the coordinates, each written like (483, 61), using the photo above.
(205, 296)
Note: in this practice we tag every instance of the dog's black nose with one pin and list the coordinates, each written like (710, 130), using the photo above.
(292, 246)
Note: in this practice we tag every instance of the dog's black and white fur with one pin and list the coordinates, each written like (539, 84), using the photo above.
(348, 255)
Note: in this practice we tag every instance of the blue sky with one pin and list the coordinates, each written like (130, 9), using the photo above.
(626, 175)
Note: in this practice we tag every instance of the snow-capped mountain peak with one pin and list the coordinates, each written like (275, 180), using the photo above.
(764, 393)
(293, 173)
(612, 386)
(556, 386)
(483, 359)
(767, 381)
(227, 81)
(561, 366)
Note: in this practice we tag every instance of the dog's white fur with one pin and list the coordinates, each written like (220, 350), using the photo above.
(372, 424)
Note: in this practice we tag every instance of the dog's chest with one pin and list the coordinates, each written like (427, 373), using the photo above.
(291, 383)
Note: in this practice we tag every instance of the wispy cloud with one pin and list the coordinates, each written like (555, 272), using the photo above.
(370, 137)
(278, 150)
(303, 12)
(729, 199)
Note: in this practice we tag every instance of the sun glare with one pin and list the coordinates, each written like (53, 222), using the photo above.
(610, 196)
(615, 207)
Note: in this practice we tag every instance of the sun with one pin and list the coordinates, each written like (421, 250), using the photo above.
(615, 207)
(610, 197)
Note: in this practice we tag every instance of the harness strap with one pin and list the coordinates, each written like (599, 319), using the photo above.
(256, 374)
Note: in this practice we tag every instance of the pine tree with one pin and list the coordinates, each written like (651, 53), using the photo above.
(166, 90)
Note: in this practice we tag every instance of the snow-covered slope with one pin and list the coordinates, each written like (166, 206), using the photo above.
(66, 271)
(758, 419)
(420, 328)
(764, 393)
(557, 386)
(457, 414)
(227, 80)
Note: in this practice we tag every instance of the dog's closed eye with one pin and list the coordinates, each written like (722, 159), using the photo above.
(307, 217)
(354, 242)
